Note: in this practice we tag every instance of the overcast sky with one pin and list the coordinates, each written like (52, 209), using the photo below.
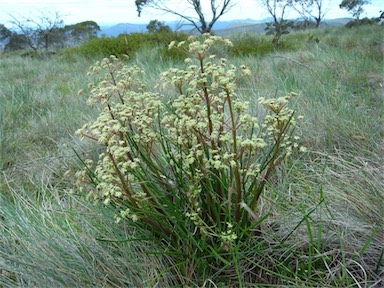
(106, 12)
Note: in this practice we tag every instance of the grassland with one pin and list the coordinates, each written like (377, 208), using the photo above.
(329, 199)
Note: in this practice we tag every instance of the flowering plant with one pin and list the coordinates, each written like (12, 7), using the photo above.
(191, 171)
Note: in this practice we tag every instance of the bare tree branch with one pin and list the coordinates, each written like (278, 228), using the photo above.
(316, 9)
(202, 22)
(354, 6)
(38, 32)
(280, 25)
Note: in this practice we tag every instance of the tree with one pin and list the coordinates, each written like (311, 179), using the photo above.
(4, 32)
(156, 26)
(311, 9)
(39, 33)
(354, 6)
(280, 25)
(16, 42)
(81, 32)
(201, 22)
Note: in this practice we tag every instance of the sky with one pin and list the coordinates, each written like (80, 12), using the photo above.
(109, 12)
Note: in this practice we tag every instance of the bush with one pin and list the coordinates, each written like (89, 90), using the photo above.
(125, 44)
(359, 22)
(278, 29)
(249, 45)
(303, 25)
(260, 45)
(188, 173)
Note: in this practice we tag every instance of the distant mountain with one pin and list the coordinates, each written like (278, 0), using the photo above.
(336, 22)
(220, 27)
(122, 28)
(115, 30)
(261, 25)
(244, 28)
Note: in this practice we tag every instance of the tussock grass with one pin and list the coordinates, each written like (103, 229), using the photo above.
(327, 205)
(57, 240)
(39, 100)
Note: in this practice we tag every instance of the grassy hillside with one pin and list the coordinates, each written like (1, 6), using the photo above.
(325, 206)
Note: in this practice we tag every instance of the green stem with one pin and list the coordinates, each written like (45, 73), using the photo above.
(217, 184)
(207, 101)
(234, 148)
(114, 83)
(122, 181)
(272, 163)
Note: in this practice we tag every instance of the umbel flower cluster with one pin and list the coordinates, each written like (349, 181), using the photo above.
(190, 168)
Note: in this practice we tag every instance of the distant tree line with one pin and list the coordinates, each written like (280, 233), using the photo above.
(312, 13)
(48, 32)
(203, 18)
(45, 33)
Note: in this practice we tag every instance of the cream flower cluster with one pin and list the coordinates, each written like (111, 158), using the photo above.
(203, 144)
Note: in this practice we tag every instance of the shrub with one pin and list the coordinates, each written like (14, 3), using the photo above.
(156, 26)
(188, 173)
(125, 44)
(359, 22)
(248, 45)
(278, 29)
(303, 25)
(260, 45)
